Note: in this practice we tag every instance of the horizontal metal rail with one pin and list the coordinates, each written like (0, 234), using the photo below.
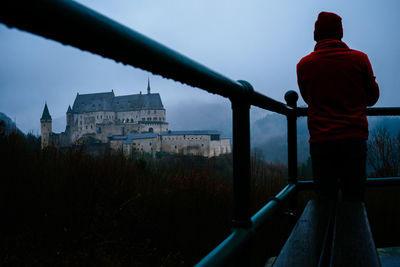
(74, 24)
(224, 253)
(371, 182)
(381, 111)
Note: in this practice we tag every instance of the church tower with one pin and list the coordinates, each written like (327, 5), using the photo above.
(46, 126)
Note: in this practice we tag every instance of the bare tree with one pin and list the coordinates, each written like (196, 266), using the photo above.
(384, 153)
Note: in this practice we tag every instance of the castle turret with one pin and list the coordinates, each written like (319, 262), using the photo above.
(69, 116)
(46, 126)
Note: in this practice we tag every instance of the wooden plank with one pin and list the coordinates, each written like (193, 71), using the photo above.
(304, 245)
(353, 244)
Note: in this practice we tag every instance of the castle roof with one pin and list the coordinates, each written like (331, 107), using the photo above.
(93, 102)
(132, 137)
(110, 102)
(195, 132)
(46, 113)
(137, 102)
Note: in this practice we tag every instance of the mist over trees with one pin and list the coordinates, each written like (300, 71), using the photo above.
(268, 130)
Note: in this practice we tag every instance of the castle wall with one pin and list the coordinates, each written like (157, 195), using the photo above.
(140, 115)
(186, 144)
(220, 147)
(148, 145)
(116, 145)
(128, 116)
(153, 127)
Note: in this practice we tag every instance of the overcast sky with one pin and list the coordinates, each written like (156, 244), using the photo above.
(257, 41)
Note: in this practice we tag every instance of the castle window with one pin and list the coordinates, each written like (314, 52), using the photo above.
(86, 127)
(160, 118)
(91, 126)
(150, 144)
(131, 120)
(101, 116)
(155, 118)
(143, 119)
(149, 119)
(148, 112)
(155, 112)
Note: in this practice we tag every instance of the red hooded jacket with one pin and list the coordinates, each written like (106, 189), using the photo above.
(338, 84)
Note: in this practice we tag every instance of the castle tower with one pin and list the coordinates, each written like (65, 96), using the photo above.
(46, 126)
(69, 117)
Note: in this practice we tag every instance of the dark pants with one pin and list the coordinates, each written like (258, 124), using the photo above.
(339, 166)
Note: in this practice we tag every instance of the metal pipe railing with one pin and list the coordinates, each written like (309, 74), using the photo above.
(381, 111)
(371, 182)
(73, 24)
(227, 253)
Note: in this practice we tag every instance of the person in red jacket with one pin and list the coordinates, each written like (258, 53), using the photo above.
(338, 84)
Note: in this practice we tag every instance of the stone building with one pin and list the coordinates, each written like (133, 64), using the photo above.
(129, 123)
(201, 143)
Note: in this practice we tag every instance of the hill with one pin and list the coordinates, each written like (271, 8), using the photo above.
(7, 125)
(269, 135)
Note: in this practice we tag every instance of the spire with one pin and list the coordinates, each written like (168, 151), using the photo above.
(69, 109)
(46, 113)
(148, 85)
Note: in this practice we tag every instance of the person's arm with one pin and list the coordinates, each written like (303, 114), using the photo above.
(300, 83)
(372, 87)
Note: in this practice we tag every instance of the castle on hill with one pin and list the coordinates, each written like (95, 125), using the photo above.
(129, 123)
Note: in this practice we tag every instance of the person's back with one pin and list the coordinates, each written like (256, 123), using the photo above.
(338, 84)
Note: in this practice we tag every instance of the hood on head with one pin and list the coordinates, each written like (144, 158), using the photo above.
(328, 26)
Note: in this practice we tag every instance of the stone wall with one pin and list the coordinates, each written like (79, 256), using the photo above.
(148, 145)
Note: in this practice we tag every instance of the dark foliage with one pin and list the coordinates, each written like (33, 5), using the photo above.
(69, 208)
(63, 208)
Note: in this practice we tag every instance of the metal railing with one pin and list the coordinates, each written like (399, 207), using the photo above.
(74, 24)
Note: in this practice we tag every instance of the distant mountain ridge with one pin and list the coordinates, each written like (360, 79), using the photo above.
(269, 135)
(9, 125)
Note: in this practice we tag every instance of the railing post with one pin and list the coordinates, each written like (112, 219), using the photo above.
(241, 159)
(241, 168)
(291, 98)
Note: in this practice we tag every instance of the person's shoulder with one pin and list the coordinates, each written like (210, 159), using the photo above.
(306, 59)
(358, 53)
